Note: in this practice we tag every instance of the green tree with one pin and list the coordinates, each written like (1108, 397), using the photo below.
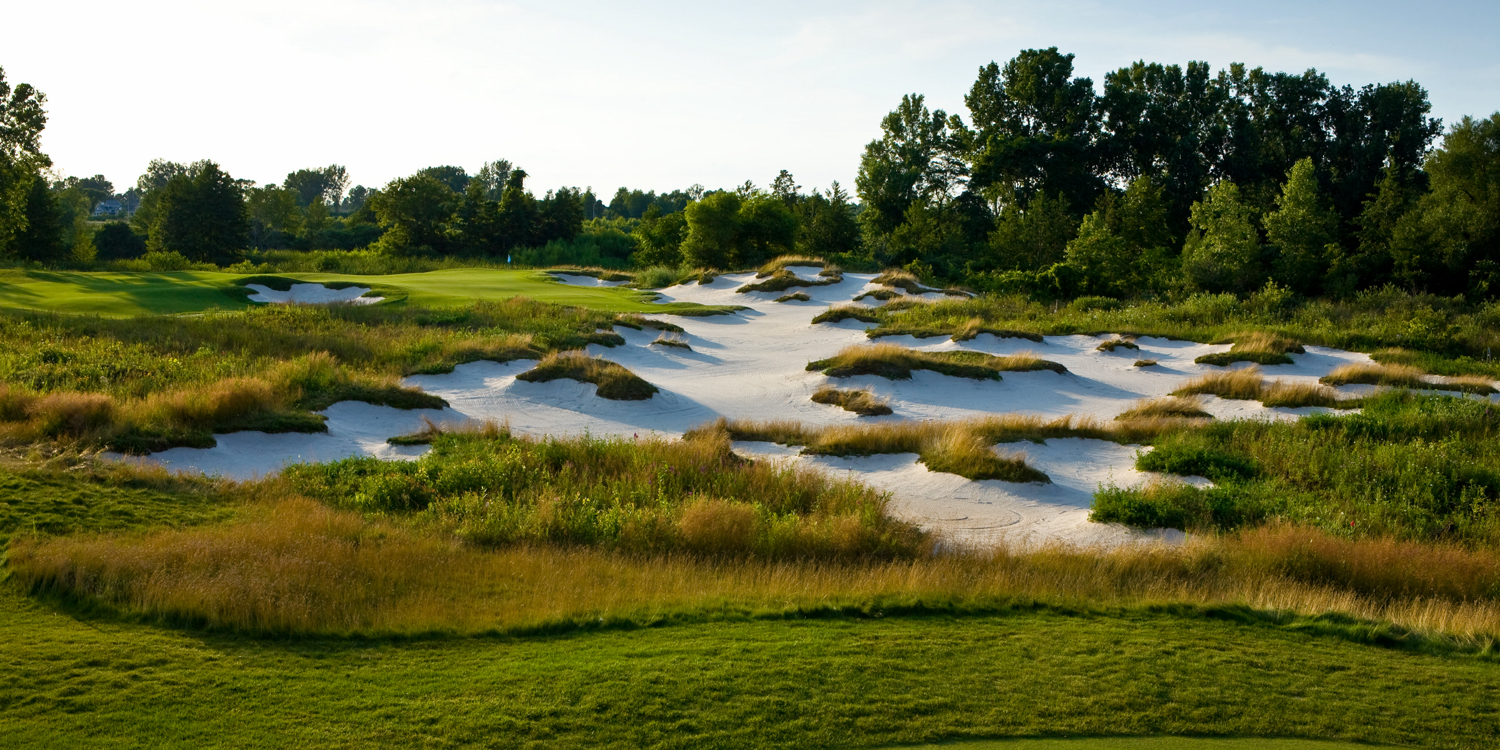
(1222, 252)
(767, 228)
(201, 215)
(1121, 247)
(713, 231)
(1031, 237)
(1035, 127)
(1461, 213)
(477, 220)
(454, 177)
(273, 215)
(41, 238)
(1301, 228)
(149, 185)
(414, 212)
(659, 238)
(324, 185)
(22, 119)
(828, 224)
(915, 159)
(560, 216)
(518, 213)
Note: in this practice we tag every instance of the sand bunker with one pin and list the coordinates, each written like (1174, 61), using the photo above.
(752, 365)
(312, 294)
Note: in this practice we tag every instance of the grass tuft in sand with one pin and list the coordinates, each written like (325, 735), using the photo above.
(1260, 347)
(861, 402)
(1119, 343)
(673, 340)
(904, 280)
(1242, 384)
(639, 322)
(773, 267)
(1405, 376)
(1171, 407)
(1145, 363)
(614, 382)
(897, 363)
(794, 297)
(783, 280)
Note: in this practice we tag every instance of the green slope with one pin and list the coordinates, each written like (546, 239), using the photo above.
(128, 294)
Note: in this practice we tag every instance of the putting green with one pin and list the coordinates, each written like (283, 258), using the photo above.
(130, 294)
(1146, 743)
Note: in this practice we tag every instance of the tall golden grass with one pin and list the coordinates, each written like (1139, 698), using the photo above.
(297, 566)
(1234, 384)
(782, 262)
(1405, 376)
(1170, 407)
(614, 381)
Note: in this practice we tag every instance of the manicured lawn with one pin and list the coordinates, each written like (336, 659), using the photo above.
(1146, 743)
(127, 294)
(791, 684)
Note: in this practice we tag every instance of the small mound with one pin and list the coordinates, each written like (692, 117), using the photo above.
(1235, 384)
(784, 280)
(639, 322)
(1259, 347)
(614, 382)
(897, 362)
(1171, 407)
(1119, 343)
(794, 297)
(840, 313)
(786, 261)
(1404, 376)
(672, 340)
(861, 402)
(1145, 363)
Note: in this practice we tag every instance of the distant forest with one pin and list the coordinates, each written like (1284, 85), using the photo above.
(1167, 180)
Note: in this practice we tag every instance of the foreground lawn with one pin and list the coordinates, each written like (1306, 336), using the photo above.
(128, 294)
(823, 683)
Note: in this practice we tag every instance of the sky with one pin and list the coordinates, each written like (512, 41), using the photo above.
(655, 96)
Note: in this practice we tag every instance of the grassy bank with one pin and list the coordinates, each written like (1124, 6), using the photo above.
(1407, 466)
(121, 294)
(1435, 334)
(148, 383)
(897, 363)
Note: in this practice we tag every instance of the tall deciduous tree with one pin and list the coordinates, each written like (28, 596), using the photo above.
(1222, 252)
(202, 216)
(414, 211)
(22, 119)
(1301, 229)
(712, 231)
(914, 159)
(1034, 129)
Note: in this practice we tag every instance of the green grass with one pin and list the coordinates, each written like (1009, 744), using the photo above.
(127, 294)
(1411, 467)
(851, 680)
(1146, 743)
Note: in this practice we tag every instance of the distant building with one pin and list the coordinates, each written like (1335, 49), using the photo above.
(109, 207)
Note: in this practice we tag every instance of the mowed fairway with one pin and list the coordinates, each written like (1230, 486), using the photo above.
(130, 294)
(734, 684)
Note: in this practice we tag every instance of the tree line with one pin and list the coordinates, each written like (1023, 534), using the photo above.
(1168, 179)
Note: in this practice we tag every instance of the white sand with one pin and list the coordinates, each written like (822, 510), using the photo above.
(312, 294)
(752, 365)
(577, 279)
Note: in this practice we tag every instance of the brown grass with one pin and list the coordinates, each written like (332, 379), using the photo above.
(615, 382)
(1144, 363)
(861, 402)
(1170, 407)
(1234, 384)
(1405, 376)
(296, 566)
